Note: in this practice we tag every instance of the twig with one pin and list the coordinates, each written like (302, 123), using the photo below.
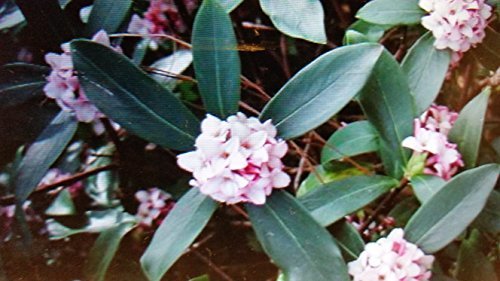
(214, 267)
(240, 211)
(249, 108)
(166, 36)
(284, 56)
(302, 163)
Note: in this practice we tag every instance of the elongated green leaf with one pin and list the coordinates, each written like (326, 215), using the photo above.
(107, 15)
(215, 59)
(181, 227)
(229, 5)
(425, 186)
(332, 79)
(356, 138)
(332, 201)
(348, 239)
(20, 82)
(62, 206)
(43, 153)
(10, 15)
(372, 32)
(302, 19)
(426, 67)
(468, 129)
(175, 63)
(295, 242)
(389, 106)
(131, 98)
(391, 12)
(489, 219)
(451, 209)
(200, 278)
(472, 264)
(104, 249)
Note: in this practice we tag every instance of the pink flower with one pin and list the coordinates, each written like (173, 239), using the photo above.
(154, 206)
(392, 259)
(237, 160)
(456, 24)
(155, 21)
(64, 87)
(431, 137)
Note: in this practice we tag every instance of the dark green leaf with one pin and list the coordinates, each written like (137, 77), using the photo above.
(404, 12)
(107, 15)
(229, 5)
(215, 59)
(425, 186)
(332, 79)
(20, 82)
(372, 32)
(332, 201)
(181, 227)
(10, 15)
(451, 209)
(302, 19)
(426, 67)
(487, 52)
(104, 249)
(131, 98)
(43, 153)
(489, 219)
(354, 37)
(389, 106)
(354, 139)
(472, 264)
(350, 242)
(403, 211)
(468, 129)
(295, 242)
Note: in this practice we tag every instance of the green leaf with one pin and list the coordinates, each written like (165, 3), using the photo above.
(300, 247)
(354, 37)
(371, 32)
(229, 5)
(179, 229)
(10, 15)
(333, 79)
(403, 211)
(389, 106)
(354, 139)
(131, 98)
(425, 186)
(451, 209)
(302, 19)
(487, 52)
(43, 153)
(107, 15)
(468, 129)
(350, 242)
(472, 264)
(104, 249)
(61, 206)
(98, 221)
(215, 59)
(102, 187)
(404, 12)
(175, 63)
(489, 219)
(426, 67)
(20, 82)
(332, 201)
(326, 173)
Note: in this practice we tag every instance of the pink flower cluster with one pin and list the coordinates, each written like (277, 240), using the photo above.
(431, 137)
(7, 215)
(392, 259)
(154, 206)
(63, 84)
(156, 20)
(456, 24)
(238, 160)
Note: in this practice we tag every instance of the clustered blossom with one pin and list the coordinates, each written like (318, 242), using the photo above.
(456, 24)
(237, 160)
(7, 217)
(154, 206)
(431, 137)
(64, 87)
(160, 16)
(392, 259)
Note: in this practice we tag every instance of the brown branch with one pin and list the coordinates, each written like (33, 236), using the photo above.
(249, 108)
(213, 266)
(302, 163)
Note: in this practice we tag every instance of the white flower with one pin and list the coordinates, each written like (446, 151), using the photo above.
(237, 160)
(154, 206)
(392, 258)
